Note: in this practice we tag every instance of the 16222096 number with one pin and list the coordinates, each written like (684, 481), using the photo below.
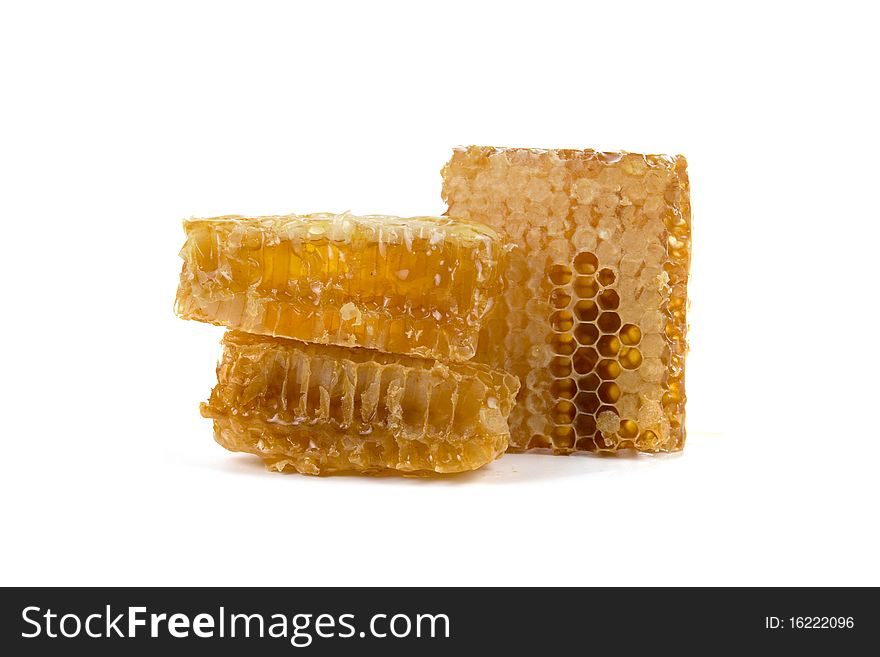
(821, 622)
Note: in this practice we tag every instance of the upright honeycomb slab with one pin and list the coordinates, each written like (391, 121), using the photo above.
(593, 320)
(420, 286)
(322, 409)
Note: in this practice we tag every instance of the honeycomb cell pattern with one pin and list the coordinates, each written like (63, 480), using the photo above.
(585, 384)
(319, 409)
(594, 319)
(420, 286)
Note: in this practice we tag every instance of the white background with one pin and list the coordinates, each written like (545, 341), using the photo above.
(121, 119)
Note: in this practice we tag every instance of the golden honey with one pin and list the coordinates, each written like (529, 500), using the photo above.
(319, 409)
(421, 286)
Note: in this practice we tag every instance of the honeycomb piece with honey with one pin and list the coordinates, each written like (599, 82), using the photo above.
(319, 409)
(420, 286)
(594, 317)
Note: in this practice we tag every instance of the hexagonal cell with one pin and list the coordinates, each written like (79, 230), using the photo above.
(559, 274)
(534, 402)
(564, 412)
(652, 370)
(586, 444)
(648, 438)
(628, 429)
(586, 263)
(585, 287)
(587, 402)
(586, 333)
(650, 413)
(630, 334)
(630, 358)
(609, 345)
(607, 369)
(607, 419)
(563, 388)
(609, 322)
(589, 382)
(563, 344)
(560, 366)
(653, 346)
(609, 300)
(539, 442)
(585, 360)
(609, 392)
(585, 424)
(606, 277)
(563, 437)
(674, 394)
(628, 404)
(559, 298)
(586, 310)
(562, 320)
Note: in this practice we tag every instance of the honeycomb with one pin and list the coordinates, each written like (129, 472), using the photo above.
(319, 409)
(420, 286)
(594, 317)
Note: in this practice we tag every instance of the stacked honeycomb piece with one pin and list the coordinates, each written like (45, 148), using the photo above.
(419, 286)
(350, 340)
(319, 409)
(594, 317)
